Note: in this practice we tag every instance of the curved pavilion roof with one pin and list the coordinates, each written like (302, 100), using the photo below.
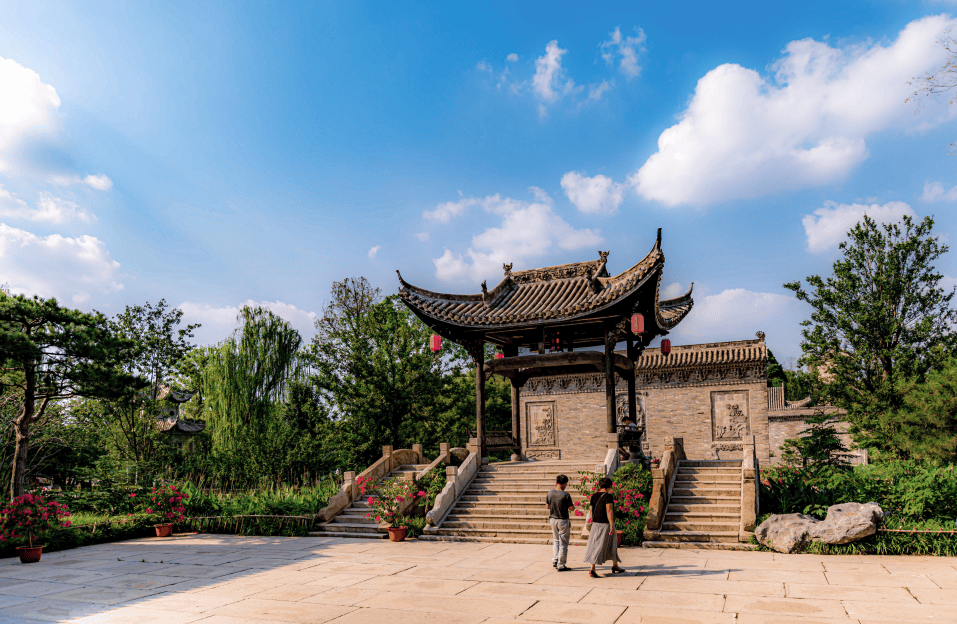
(579, 298)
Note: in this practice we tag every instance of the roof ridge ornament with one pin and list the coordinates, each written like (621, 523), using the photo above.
(593, 280)
(508, 269)
(485, 293)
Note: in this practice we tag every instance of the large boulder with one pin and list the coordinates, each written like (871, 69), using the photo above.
(784, 533)
(844, 523)
(847, 522)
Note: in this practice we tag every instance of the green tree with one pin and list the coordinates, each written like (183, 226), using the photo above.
(244, 381)
(373, 369)
(928, 418)
(818, 446)
(51, 353)
(881, 318)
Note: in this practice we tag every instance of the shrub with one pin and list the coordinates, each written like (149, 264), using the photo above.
(414, 526)
(631, 488)
(388, 496)
(32, 516)
(167, 504)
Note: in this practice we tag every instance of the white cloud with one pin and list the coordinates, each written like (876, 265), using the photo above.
(828, 226)
(596, 91)
(28, 112)
(422, 236)
(511, 58)
(625, 50)
(595, 195)
(745, 135)
(219, 322)
(673, 290)
(98, 182)
(737, 314)
(934, 191)
(482, 66)
(550, 81)
(49, 208)
(372, 252)
(528, 230)
(444, 213)
(71, 269)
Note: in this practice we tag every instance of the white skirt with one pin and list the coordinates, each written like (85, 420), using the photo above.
(602, 546)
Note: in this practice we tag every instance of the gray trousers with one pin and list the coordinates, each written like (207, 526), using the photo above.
(561, 533)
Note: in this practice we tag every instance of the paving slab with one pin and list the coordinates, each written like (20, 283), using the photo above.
(863, 579)
(657, 615)
(844, 592)
(900, 612)
(282, 611)
(51, 610)
(799, 607)
(521, 590)
(934, 596)
(397, 616)
(488, 607)
(744, 588)
(417, 585)
(573, 613)
(657, 599)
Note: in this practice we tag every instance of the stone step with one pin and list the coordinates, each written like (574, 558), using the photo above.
(711, 508)
(705, 491)
(504, 534)
(551, 470)
(505, 511)
(709, 471)
(699, 516)
(501, 540)
(534, 524)
(349, 535)
(700, 545)
(698, 536)
(705, 500)
(344, 519)
(700, 478)
(345, 527)
(710, 463)
(711, 528)
(542, 483)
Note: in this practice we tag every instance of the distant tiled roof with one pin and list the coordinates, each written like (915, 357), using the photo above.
(554, 293)
(166, 393)
(176, 425)
(703, 355)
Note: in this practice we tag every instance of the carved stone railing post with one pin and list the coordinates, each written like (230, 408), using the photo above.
(472, 446)
(349, 479)
(662, 479)
(749, 489)
(419, 455)
(451, 472)
(387, 453)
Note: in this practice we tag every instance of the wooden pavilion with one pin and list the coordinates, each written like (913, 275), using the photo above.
(553, 313)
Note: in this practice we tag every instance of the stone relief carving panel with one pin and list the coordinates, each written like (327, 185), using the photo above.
(544, 454)
(730, 418)
(540, 423)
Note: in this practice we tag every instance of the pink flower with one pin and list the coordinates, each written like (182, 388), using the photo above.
(578, 513)
(399, 499)
(132, 495)
(641, 509)
(378, 519)
(369, 500)
(588, 521)
(421, 494)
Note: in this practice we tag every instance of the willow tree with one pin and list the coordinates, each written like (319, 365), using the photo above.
(245, 379)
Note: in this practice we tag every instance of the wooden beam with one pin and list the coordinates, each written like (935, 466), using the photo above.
(480, 403)
(610, 407)
(576, 358)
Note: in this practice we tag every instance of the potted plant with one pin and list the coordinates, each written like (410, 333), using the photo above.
(167, 508)
(31, 516)
(386, 500)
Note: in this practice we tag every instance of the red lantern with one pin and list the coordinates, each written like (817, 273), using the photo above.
(637, 324)
(665, 347)
(499, 356)
(436, 344)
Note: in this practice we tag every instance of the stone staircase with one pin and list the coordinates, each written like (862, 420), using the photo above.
(351, 522)
(506, 503)
(704, 511)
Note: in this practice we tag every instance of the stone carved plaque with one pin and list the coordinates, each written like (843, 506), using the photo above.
(540, 423)
(544, 454)
(730, 418)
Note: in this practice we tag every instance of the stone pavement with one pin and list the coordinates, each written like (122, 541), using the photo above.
(237, 580)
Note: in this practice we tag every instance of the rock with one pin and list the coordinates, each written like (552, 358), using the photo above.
(784, 533)
(847, 522)
(844, 523)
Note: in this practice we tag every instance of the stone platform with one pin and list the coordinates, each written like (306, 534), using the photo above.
(252, 580)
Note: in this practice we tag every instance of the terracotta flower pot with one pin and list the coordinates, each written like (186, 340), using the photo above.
(397, 534)
(163, 530)
(29, 554)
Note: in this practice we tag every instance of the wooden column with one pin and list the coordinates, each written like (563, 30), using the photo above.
(632, 400)
(610, 407)
(516, 383)
(516, 419)
(480, 399)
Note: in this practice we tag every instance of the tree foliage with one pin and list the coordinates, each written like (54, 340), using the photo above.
(882, 317)
(51, 353)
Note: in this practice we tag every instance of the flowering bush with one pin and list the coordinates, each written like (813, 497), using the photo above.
(30, 516)
(388, 496)
(166, 504)
(631, 488)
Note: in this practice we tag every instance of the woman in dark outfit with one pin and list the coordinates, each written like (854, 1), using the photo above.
(602, 541)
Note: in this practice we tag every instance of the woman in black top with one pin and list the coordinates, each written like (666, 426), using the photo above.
(602, 541)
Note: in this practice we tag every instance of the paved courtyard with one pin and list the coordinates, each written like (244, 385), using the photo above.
(237, 580)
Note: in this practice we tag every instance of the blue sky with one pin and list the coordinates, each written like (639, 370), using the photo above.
(238, 153)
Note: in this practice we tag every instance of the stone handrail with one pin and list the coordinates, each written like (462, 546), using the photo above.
(458, 480)
(444, 456)
(750, 482)
(404, 457)
(662, 482)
